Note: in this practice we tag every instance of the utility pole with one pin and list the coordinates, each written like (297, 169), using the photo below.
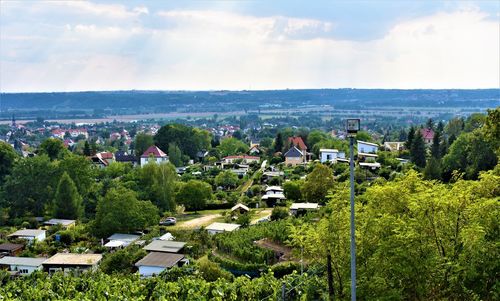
(353, 126)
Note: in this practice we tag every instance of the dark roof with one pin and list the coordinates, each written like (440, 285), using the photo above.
(10, 247)
(154, 151)
(122, 156)
(293, 152)
(168, 246)
(298, 142)
(157, 259)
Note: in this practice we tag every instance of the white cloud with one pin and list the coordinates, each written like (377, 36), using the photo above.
(195, 49)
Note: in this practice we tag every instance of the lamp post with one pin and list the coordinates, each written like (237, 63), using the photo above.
(352, 127)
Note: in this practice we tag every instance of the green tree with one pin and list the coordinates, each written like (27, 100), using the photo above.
(53, 148)
(226, 179)
(142, 142)
(317, 184)
(232, 146)
(410, 137)
(67, 201)
(174, 154)
(190, 140)
(278, 143)
(417, 150)
(491, 129)
(86, 149)
(363, 136)
(7, 158)
(292, 190)
(433, 169)
(194, 195)
(119, 211)
(436, 145)
(156, 182)
(454, 127)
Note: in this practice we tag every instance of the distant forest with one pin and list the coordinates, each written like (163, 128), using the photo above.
(132, 102)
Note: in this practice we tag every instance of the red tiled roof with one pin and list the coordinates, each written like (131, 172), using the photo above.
(297, 141)
(106, 155)
(155, 151)
(427, 133)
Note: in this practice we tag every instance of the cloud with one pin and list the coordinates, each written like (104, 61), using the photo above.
(114, 47)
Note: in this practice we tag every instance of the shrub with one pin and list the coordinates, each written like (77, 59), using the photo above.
(279, 213)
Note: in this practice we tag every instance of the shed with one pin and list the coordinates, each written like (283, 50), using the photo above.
(167, 246)
(66, 223)
(300, 208)
(10, 249)
(156, 262)
(240, 208)
(30, 235)
(68, 262)
(22, 265)
(215, 228)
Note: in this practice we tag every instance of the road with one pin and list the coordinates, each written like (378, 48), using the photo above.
(199, 221)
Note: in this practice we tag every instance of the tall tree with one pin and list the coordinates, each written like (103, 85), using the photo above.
(410, 137)
(174, 154)
(67, 201)
(157, 183)
(436, 145)
(194, 195)
(417, 151)
(226, 179)
(232, 146)
(142, 142)
(7, 158)
(278, 143)
(53, 148)
(317, 184)
(86, 149)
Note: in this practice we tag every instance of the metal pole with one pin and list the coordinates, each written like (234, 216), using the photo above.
(353, 238)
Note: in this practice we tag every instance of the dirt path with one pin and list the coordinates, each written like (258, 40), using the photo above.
(260, 215)
(199, 222)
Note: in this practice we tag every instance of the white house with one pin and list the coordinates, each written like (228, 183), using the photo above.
(119, 240)
(215, 228)
(273, 195)
(156, 262)
(65, 223)
(367, 147)
(22, 265)
(30, 235)
(328, 155)
(153, 154)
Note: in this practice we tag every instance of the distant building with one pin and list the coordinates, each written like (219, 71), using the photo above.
(65, 223)
(8, 249)
(394, 146)
(71, 262)
(367, 147)
(427, 135)
(245, 159)
(124, 157)
(156, 262)
(274, 194)
(328, 155)
(298, 142)
(119, 240)
(22, 265)
(295, 156)
(240, 208)
(31, 235)
(153, 154)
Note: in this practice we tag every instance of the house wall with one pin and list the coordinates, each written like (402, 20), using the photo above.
(212, 232)
(364, 148)
(145, 161)
(41, 237)
(293, 160)
(328, 156)
(24, 270)
(148, 271)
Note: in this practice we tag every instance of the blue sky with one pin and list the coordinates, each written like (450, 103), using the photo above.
(207, 45)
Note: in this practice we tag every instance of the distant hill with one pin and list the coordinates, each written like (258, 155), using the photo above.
(223, 101)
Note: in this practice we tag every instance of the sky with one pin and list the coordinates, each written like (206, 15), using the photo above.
(75, 45)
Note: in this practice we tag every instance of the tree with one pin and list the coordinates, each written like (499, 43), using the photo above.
(232, 146)
(157, 183)
(190, 140)
(278, 143)
(142, 142)
(316, 136)
(194, 195)
(226, 179)
(86, 149)
(67, 201)
(491, 129)
(454, 127)
(119, 211)
(317, 184)
(436, 145)
(430, 124)
(174, 154)
(7, 158)
(410, 137)
(53, 148)
(363, 136)
(417, 151)
(292, 190)
(432, 169)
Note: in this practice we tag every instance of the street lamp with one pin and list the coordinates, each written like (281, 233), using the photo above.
(352, 127)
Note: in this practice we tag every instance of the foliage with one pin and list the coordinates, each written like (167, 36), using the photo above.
(211, 271)
(232, 146)
(67, 201)
(122, 261)
(292, 190)
(279, 213)
(190, 140)
(142, 142)
(317, 184)
(119, 211)
(174, 154)
(227, 179)
(53, 148)
(194, 194)
(156, 182)
(7, 158)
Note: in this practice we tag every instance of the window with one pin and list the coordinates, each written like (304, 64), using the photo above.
(23, 271)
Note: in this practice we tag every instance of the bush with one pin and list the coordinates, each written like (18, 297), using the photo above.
(285, 268)
(211, 271)
(279, 213)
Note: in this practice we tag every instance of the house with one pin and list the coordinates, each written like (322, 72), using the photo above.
(22, 265)
(156, 262)
(297, 142)
(65, 223)
(427, 135)
(254, 150)
(153, 154)
(119, 240)
(274, 194)
(124, 157)
(245, 159)
(328, 155)
(201, 155)
(369, 165)
(167, 246)
(103, 159)
(215, 228)
(367, 147)
(302, 208)
(295, 156)
(394, 146)
(71, 262)
(8, 249)
(31, 235)
(240, 208)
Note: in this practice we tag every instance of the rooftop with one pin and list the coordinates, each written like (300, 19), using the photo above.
(168, 246)
(10, 247)
(367, 143)
(57, 221)
(158, 259)
(297, 141)
(239, 205)
(296, 206)
(154, 151)
(74, 259)
(124, 237)
(328, 150)
(26, 261)
(222, 227)
(27, 232)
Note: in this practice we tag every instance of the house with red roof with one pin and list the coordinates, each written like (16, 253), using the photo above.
(153, 154)
(245, 159)
(427, 135)
(298, 142)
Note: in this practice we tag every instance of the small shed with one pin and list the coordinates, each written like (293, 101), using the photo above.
(65, 223)
(22, 265)
(215, 228)
(31, 235)
(8, 249)
(301, 208)
(156, 262)
(72, 262)
(167, 246)
(242, 209)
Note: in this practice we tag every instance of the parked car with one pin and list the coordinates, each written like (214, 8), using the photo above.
(168, 221)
